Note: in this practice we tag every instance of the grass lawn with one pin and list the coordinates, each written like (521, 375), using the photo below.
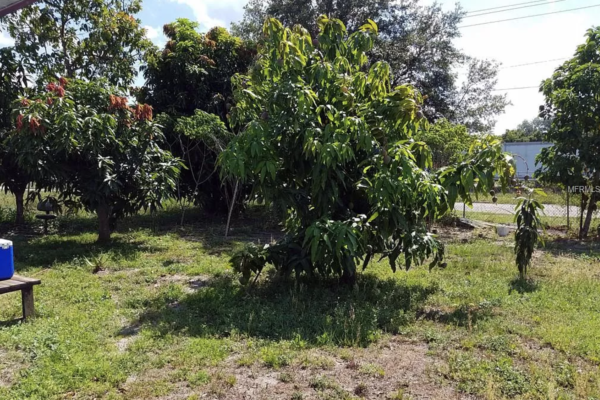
(158, 314)
(550, 196)
(549, 221)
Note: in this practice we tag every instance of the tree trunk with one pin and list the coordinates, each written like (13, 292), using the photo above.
(581, 212)
(20, 216)
(588, 218)
(103, 223)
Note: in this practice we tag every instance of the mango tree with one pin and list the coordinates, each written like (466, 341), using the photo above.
(326, 134)
(571, 103)
(99, 151)
(188, 83)
(13, 83)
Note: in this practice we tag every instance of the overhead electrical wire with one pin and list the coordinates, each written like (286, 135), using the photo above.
(510, 9)
(508, 5)
(516, 88)
(529, 16)
(535, 63)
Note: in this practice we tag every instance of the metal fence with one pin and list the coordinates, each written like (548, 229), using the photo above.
(561, 209)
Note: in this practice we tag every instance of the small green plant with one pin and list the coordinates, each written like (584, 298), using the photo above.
(248, 260)
(275, 358)
(527, 234)
(97, 263)
(398, 395)
(373, 370)
(200, 378)
(286, 377)
(297, 396)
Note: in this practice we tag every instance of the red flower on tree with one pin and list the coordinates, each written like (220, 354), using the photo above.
(34, 124)
(25, 102)
(143, 112)
(63, 81)
(59, 89)
(117, 103)
(20, 122)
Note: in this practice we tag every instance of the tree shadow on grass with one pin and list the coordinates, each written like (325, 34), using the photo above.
(318, 312)
(572, 247)
(523, 286)
(463, 316)
(44, 252)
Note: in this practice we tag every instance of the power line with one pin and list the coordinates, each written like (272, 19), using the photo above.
(529, 16)
(535, 63)
(511, 9)
(516, 88)
(508, 5)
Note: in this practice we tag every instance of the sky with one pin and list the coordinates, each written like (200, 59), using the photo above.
(511, 43)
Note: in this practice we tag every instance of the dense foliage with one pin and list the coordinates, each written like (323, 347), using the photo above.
(325, 133)
(571, 103)
(416, 40)
(83, 39)
(194, 70)
(13, 83)
(448, 142)
(189, 78)
(98, 151)
(528, 131)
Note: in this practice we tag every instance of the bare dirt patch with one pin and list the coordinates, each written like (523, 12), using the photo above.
(395, 368)
(10, 365)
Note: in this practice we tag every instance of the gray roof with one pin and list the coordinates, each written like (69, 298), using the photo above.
(8, 6)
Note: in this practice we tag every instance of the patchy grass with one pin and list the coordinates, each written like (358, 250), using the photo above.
(159, 314)
(550, 222)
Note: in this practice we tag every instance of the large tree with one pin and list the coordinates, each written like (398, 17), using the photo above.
(572, 103)
(326, 134)
(528, 131)
(13, 84)
(96, 149)
(418, 43)
(189, 82)
(76, 38)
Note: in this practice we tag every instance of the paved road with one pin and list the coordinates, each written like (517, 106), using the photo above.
(550, 210)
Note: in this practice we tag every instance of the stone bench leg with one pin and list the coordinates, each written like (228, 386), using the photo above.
(28, 306)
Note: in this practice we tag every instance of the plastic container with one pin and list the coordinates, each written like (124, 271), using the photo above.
(502, 230)
(7, 265)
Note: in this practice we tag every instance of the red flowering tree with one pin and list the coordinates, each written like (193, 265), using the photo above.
(98, 151)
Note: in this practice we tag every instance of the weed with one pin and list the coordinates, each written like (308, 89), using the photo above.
(361, 390)
(286, 377)
(372, 370)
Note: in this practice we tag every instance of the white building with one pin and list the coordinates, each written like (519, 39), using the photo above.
(525, 154)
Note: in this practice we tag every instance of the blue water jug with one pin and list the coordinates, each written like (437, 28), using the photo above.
(7, 265)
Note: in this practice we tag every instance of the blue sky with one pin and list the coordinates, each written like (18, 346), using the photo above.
(511, 43)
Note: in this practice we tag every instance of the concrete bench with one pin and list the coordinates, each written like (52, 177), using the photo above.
(25, 285)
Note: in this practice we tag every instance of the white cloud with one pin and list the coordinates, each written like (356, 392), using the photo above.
(151, 32)
(211, 13)
(156, 35)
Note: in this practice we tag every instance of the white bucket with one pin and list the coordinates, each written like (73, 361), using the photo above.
(502, 230)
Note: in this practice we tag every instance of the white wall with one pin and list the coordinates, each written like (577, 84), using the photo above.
(525, 154)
